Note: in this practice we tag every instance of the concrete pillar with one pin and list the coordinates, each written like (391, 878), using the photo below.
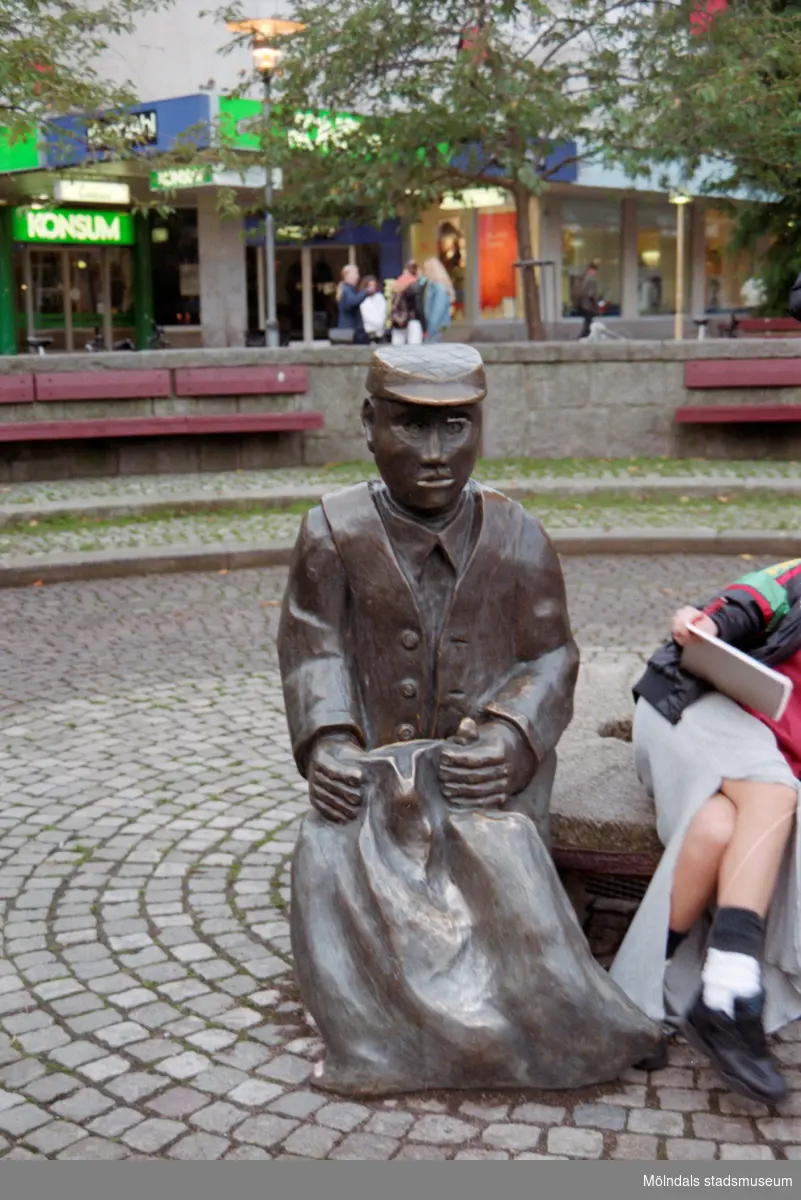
(472, 282)
(223, 279)
(629, 260)
(697, 289)
(307, 293)
(550, 250)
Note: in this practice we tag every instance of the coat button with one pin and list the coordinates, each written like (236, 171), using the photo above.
(408, 688)
(409, 639)
(406, 733)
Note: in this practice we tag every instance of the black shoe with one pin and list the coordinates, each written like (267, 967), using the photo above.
(738, 1048)
(656, 1061)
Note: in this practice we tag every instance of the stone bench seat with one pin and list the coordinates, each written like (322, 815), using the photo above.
(602, 819)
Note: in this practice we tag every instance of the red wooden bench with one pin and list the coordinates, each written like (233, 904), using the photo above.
(135, 384)
(16, 389)
(736, 414)
(768, 327)
(102, 385)
(120, 427)
(241, 381)
(712, 374)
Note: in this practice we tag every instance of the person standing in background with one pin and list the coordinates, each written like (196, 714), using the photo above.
(374, 310)
(588, 298)
(407, 313)
(349, 301)
(438, 298)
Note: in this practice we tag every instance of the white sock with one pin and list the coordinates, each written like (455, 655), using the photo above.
(728, 976)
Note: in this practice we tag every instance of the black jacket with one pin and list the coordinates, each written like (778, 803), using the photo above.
(759, 613)
(795, 299)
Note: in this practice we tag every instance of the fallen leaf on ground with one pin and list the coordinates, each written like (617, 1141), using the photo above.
(38, 583)
(224, 571)
(723, 499)
(270, 603)
(33, 524)
(684, 499)
(747, 557)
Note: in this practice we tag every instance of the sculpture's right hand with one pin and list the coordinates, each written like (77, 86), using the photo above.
(335, 778)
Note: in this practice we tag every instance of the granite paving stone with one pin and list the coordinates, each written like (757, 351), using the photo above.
(55, 1136)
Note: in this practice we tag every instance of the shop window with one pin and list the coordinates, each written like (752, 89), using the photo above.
(176, 268)
(732, 280)
(656, 258)
(440, 233)
(591, 233)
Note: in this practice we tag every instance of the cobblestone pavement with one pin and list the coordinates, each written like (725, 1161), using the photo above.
(149, 807)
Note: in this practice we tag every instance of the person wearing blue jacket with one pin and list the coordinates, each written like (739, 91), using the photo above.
(438, 299)
(349, 300)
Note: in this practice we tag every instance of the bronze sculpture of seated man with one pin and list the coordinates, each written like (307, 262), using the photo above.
(428, 669)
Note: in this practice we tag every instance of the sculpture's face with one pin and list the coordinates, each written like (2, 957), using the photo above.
(425, 454)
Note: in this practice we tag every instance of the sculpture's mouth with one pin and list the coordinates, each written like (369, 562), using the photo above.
(436, 481)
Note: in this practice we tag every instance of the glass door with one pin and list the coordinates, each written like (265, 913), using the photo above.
(85, 296)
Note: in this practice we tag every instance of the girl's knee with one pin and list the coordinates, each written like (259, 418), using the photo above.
(714, 825)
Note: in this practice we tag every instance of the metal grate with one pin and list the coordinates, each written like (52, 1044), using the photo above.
(616, 887)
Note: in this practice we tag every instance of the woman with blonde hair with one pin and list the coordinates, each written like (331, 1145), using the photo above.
(439, 297)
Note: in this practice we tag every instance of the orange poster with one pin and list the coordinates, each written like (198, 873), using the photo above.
(497, 251)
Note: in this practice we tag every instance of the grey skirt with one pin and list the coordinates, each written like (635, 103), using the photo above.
(682, 766)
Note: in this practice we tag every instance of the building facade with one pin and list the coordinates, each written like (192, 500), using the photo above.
(76, 256)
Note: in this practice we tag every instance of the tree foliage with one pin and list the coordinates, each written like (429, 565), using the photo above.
(450, 95)
(48, 55)
(722, 95)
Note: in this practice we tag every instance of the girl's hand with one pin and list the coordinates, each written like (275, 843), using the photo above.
(688, 615)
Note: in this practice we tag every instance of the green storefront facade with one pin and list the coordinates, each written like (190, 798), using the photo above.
(65, 272)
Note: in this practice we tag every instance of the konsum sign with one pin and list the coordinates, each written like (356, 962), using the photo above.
(69, 228)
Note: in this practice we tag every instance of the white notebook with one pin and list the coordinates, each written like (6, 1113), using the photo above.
(736, 674)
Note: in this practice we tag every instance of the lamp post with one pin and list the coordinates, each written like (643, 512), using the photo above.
(266, 58)
(681, 200)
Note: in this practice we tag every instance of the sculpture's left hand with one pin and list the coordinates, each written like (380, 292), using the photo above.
(485, 769)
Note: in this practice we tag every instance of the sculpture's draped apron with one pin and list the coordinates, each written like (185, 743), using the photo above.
(436, 948)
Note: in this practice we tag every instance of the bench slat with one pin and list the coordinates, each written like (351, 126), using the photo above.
(241, 381)
(16, 389)
(769, 325)
(102, 385)
(733, 414)
(741, 373)
(42, 431)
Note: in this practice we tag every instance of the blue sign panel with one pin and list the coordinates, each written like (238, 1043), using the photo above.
(148, 128)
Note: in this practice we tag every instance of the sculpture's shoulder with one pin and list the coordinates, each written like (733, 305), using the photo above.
(347, 505)
(502, 515)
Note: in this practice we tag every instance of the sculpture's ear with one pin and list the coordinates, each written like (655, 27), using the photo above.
(368, 420)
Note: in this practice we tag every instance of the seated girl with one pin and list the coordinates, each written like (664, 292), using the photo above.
(725, 786)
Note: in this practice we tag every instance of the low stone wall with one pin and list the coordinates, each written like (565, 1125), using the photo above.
(550, 400)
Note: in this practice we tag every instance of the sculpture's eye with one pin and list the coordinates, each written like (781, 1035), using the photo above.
(456, 426)
(415, 428)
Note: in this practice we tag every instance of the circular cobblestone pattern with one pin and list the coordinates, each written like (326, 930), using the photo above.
(149, 809)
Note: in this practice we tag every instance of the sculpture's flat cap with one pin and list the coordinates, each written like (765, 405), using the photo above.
(437, 375)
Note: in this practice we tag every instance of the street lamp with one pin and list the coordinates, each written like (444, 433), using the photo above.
(266, 58)
(681, 200)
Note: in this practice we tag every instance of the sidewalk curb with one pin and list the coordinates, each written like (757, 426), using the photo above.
(118, 564)
(281, 498)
